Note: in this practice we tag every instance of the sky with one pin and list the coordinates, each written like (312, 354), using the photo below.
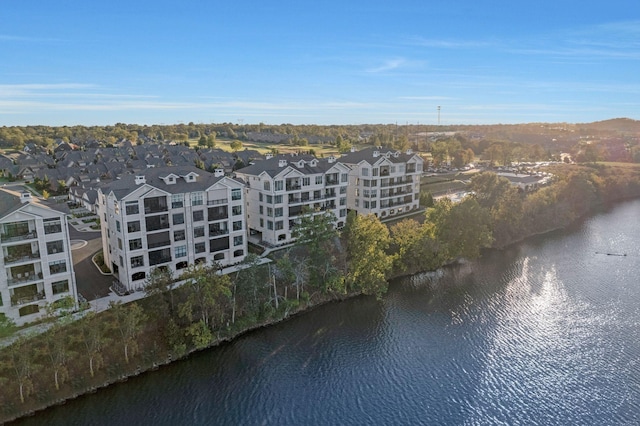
(69, 62)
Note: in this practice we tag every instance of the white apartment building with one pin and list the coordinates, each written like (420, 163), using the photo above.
(279, 189)
(383, 181)
(170, 217)
(36, 263)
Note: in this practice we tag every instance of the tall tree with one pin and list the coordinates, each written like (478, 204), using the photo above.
(128, 321)
(367, 241)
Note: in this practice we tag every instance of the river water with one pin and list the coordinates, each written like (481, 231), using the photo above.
(545, 332)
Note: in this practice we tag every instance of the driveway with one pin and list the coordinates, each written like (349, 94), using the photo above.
(91, 283)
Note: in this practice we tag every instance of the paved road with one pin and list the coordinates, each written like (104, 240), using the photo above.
(91, 283)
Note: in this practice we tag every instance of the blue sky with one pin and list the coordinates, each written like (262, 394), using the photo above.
(331, 62)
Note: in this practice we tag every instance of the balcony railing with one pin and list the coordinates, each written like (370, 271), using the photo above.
(8, 260)
(23, 300)
(10, 237)
(331, 182)
(293, 187)
(24, 278)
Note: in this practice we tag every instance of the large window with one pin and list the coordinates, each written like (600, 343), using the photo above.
(52, 226)
(237, 241)
(153, 223)
(155, 204)
(55, 247)
(133, 226)
(60, 287)
(135, 244)
(236, 194)
(137, 261)
(200, 247)
(181, 251)
(197, 198)
(198, 231)
(131, 207)
(198, 215)
(237, 226)
(278, 185)
(177, 201)
(218, 213)
(178, 218)
(57, 267)
(236, 210)
(179, 235)
(159, 239)
(160, 256)
(218, 244)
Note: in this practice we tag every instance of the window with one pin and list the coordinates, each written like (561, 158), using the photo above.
(236, 194)
(198, 215)
(160, 256)
(135, 244)
(57, 267)
(131, 207)
(236, 210)
(158, 239)
(345, 177)
(267, 185)
(178, 218)
(200, 247)
(52, 226)
(120, 243)
(197, 198)
(121, 261)
(318, 180)
(179, 235)
(218, 244)
(138, 276)
(365, 171)
(373, 204)
(153, 223)
(279, 225)
(306, 181)
(177, 201)
(237, 226)
(278, 212)
(269, 225)
(60, 287)
(238, 253)
(375, 171)
(133, 226)
(118, 226)
(181, 251)
(343, 201)
(277, 199)
(365, 204)
(357, 203)
(55, 247)
(269, 199)
(343, 212)
(269, 212)
(137, 261)
(198, 231)
(237, 241)
(261, 209)
(278, 185)
(155, 204)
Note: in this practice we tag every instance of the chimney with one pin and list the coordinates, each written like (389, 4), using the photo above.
(282, 163)
(268, 156)
(376, 154)
(25, 197)
(218, 172)
(331, 159)
(140, 180)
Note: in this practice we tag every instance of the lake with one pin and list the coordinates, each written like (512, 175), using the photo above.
(544, 332)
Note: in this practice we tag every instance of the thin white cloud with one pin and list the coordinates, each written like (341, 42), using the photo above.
(389, 65)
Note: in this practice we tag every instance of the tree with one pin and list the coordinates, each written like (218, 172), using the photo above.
(160, 284)
(236, 145)
(367, 240)
(207, 294)
(128, 320)
(57, 353)
(211, 140)
(22, 365)
(415, 246)
(92, 340)
(7, 326)
(246, 286)
(202, 141)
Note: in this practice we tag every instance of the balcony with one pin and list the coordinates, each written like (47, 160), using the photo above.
(293, 187)
(12, 259)
(10, 237)
(27, 294)
(331, 182)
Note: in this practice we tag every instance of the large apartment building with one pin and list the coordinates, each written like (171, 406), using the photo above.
(383, 181)
(170, 217)
(36, 263)
(280, 189)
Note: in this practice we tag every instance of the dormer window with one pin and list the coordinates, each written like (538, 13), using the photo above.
(314, 163)
(301, 163)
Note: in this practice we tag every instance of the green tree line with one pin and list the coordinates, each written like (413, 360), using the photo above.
(326, 264)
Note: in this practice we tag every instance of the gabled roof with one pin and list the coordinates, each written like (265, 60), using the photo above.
(305, 164)
(375, 154)
(154, 178)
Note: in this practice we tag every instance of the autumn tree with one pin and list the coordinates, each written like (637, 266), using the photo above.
(367, 241)
(128, 321)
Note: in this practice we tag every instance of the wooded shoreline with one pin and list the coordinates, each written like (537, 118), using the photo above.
(169, 325)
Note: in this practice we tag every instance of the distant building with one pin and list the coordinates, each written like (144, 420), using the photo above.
(383, 182)
(280, 189)
(36, 257)
(170, 217)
